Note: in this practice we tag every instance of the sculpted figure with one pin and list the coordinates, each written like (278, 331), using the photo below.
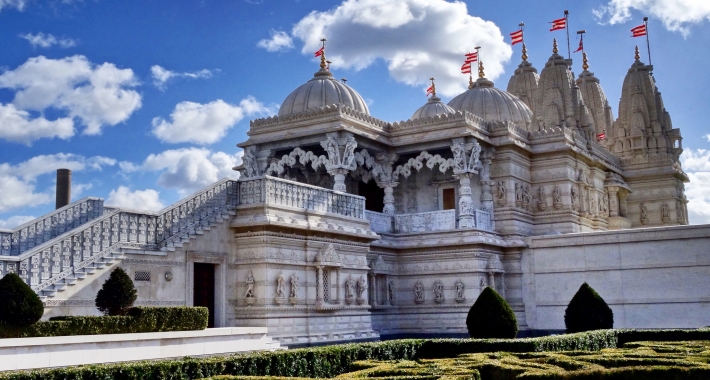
(475, 155)
(573, 194)
(644, 212)
(348, 154)
(665, 211)
(459, 157)
(438, 291)
(556, 195)
(280, 286)
(483, 283)
(390, 291)
(527, 197)
(541, 194)
(459, 290)
(360, 287)
(294, 286)
(501, 190)
(418, 292)
(349, 284)
(250, 286)
(518, 192)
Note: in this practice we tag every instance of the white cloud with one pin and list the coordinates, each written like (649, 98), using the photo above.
(97, 95)
(696, 164)
(279, 41)
(45, 41)
(676, 15)
(148, 199)
(18, 4)
(418, 39)
(707, 137)
(205, 123)
(18, 182)
(161, 76)
(189, 169)
(15, 221)
(695, 160)
(18, 126)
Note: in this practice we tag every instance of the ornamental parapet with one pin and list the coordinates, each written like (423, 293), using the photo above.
(338, 110)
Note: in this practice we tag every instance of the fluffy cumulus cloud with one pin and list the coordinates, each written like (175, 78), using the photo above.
(188, 169)
(279, 41)
(17, 4)
(148, 199)
(14, 221)
(205, 123)
(96, 95)
(45, 41)
(696, 164)
(161, 76)
(417, 39)
(676, 15)
(18, 182)
(18, 126)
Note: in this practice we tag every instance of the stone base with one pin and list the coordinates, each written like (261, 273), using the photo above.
(618, 223)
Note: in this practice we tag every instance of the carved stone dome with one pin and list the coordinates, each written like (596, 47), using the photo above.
(323, 90)
(432, 108)
(492, 104)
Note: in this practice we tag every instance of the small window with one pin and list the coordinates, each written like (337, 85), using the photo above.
(449, 197)
(141, 275)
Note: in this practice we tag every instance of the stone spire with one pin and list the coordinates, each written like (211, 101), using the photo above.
(644, 126)
(523, 83)
(596, 102)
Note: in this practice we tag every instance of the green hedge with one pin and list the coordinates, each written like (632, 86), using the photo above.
(138, 320)
(628, 335)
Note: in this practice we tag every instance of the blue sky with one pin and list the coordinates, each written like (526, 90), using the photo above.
(145, 101)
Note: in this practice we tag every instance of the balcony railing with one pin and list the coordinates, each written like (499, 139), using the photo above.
(424, 221)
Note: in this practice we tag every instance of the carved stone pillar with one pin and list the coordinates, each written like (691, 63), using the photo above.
(613, 201)
(341, 157)
(339, 177)
(372, 288)
(319, 288)
(492, 280)
(623, 193)
(388, 209)
(466, 219)
(502, 285)
(485, 175)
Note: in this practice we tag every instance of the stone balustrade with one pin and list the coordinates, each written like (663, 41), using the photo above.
(483, 220)
(47, 227)
(425, 221)
(281, 192)
(379, 222)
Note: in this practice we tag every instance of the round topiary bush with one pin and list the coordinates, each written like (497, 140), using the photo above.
(491, 317)
(20, 304)
(588, 311)
(117, 294)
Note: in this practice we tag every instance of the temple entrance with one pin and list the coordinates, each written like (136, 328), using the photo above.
(374, 195)
(203, 286)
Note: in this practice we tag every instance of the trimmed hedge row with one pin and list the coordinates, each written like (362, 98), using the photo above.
(138, 320)
(626, 336)
(318, 362)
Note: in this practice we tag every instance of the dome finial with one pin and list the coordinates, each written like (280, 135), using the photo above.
(470, 81)
(637, 56)
(480, 70)
(322, 55)
(554, 46)
(433, 87)
(525, 52)
(585, 63)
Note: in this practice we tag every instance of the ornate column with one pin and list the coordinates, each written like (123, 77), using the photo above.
(319, 288)
(341, 157)
(485, 175)
(613, 201)
(465, 167)
(382, 172)
(388, 187)
(492, 280)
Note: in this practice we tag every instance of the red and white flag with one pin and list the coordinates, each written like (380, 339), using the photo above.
(466, 68)
(639, 31)
(581, 46)
(601, 136)
(429, 90)
(558, 24)
(471, 57)
(517, 37)
(319, 52)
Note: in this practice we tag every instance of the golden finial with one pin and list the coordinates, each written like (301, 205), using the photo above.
(636, 54)
(470, 81)
(480, 69)
(525, 52)
(322, 56)
(433, 87)
(554, 46)
(585, 63)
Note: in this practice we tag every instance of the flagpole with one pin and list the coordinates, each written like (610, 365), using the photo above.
(522, 37)
(478, 57)
(569, 55)
(648, 44)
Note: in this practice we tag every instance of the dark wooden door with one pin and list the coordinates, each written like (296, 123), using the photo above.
(203, 294)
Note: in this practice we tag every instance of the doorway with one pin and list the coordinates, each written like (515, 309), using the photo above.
(374, 195)
(203, 294)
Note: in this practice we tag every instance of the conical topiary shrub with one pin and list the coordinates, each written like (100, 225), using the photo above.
(20, 304)
(588, 311)
(491, 317)
(117, 294)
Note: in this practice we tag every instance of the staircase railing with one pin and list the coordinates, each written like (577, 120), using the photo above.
(51, 261)
(47, 227)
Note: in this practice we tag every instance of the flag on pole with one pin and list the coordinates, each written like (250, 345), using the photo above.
(466, 68)
(601, 136)
(639, 31)
(517, 37)
(430, 90)
(471, 57)
(319, 52)
(581, 46)
(560, 23)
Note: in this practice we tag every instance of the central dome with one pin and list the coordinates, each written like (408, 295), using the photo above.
(492, 104)
(323, 90)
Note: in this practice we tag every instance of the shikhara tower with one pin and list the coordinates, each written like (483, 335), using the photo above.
(346, 227)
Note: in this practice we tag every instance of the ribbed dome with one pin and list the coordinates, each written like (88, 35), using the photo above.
(492, 104)
(432, 108)
(323, 90)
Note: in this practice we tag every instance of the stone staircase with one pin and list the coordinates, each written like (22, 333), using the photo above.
(88, 248)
